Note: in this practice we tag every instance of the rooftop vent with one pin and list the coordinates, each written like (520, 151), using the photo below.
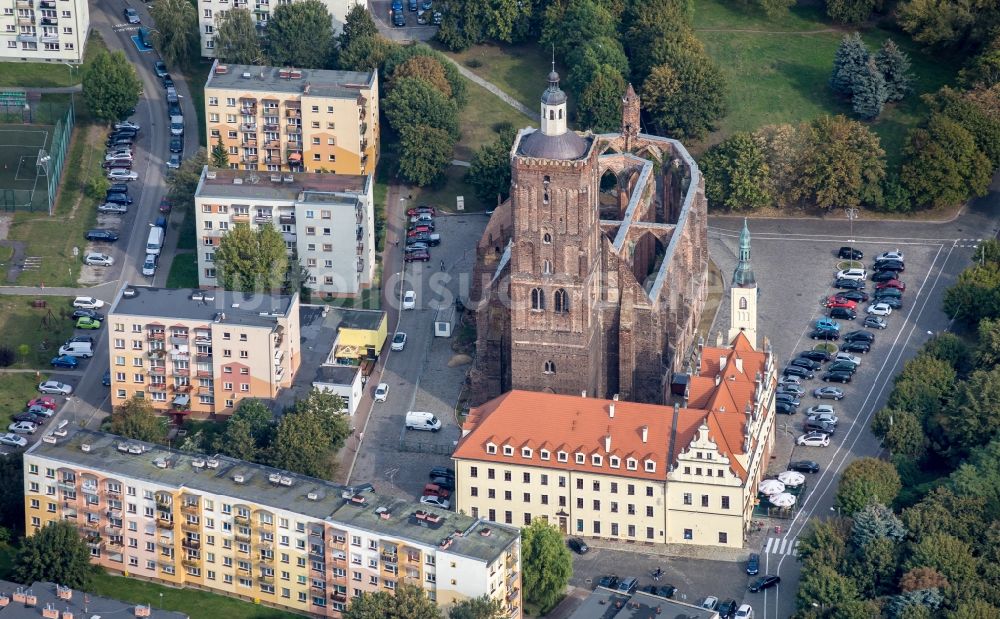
(128, 293)
(209, 296)
(135, 448)
(161, 463)
(198, 463)
(220, 316)
(315, 495)
(221, 69)
(275, 178)
(486, 532)
(237, 180)
(246, 75)
(285, 481)
(274, 478)
(48, 438)
(212, 463)
(210, 174)
(235, 305)
(287, 178)
(85, 447)
(197, 295)
(238, 478)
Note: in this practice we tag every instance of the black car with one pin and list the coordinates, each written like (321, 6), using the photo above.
(889, 265)
(794, 370)
(787, 398)
(727, 609)
(804, 466)
(838, 377)
(808, 364)
(176, 145)
(398, 20)
(753, 564)
(859, 347)
(815, 355)
(86, 339)
(87, 313)
(892, 302)
(608, 582)
(849, 253)
(448, 483)
(842, 366)
(824, 334)
(168, 82)
(118, 188)
(432, 240)
(888, 293)
(858, 296)
(174, 109)
(29, 417)
(99, 234)
(664, 591)
(577, 545)
(784, 408)
(122, 141)
(442, 471)
(883, 276)
(859, 336)
(118, 198)
(764, 582)
(849, 284)
(843, 313)
(820, 426)
(124, 132)
(106, 378)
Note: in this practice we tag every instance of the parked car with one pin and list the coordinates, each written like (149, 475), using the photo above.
(784, 408)
(416, 256)
(132, 16)
(44, 401)
(577, 545)
(628, 585)
(13, 440)
(838, 301)
(165, 205)
(859, 296)
(787, 398)
(64, 361)
(843, 356)
(149, 265)
(398, 341)
(764, 582)
(825, 427)
(815, 355)
(88, 323)
(442, 471)
(890, 255)
(113, 208)
(430, 238)
(859, 347)
(726, 609)
(409, 300)
(381, 392)
(127, 124)
(795, 390)
(838, 377)
(828, 417)
(855, 274)
(876, 322)
(89, 313)
(398, 19)
(422, 218)
(708, 602)
(106, 378)
(118, 198)
(417, 210)
(885, 276)
(608, 582)
(794, 370)
(176, 144)
(892, 302)
(416, 246)
(859, 336)
(745, 611)
(663, 591)
(753, 564)
(435, 501)
(813, 439)
(118, 164)
(842, 366)
(122, 174)
(22, 427)
(174, 162)
(892, 283)
(828, 393)
(804, 466)
(95, 258)
(889, 265)
(824, 334)
(843, 313)
(32, 417)
(55, 387)
(808, 364)
(827, 323)
(88, 302)
(849, 284)
(850, 253)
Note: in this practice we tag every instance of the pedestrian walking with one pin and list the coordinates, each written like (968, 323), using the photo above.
(442, 265)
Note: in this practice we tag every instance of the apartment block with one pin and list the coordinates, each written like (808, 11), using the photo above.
(52, 31)
(625, 471)
(327, 220)
(261, 10)
(257, 533)
(298, 120)
(198, 353)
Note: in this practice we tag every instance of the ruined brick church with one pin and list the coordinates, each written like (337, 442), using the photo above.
(592, 277)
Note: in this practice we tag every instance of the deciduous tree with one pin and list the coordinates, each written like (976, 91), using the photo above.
(358, 25)
(949, 24)
(12, 492)
(408, 601)
(737, 176)
(873, 567)
(569, 24)
(943, 511)
(236, 38)
(901, 432)
(825, 542)
(182, 183)
(894, 64)
(967, 110)
(426, 68)
(414, 102)
(843, 164)
(399, 54)
(942, 164)
(784, 148)
(489, 173)
(867, 480)
(251, 260)
(975, 296)
(424, 153)
(55, 553)
(948, 555)
(922, 578)
(686, 97)
(599, 106)
(364, 54)
(176, 33)
(546, 564)
(300, 34)
(136, 418)
(483, 607)
(774, 8)
(971, 420)
(849, 11)
(823, 585)
(110, 86)
(248, 431)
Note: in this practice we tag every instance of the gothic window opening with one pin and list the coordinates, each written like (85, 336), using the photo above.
(545, 198)
(547, 238)
(550, 367)
(537, 299)
(547, 267)
(743, 303)
(562, 302)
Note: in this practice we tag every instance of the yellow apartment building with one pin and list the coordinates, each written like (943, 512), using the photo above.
(198, 353)
(298, 120)
(256, 533)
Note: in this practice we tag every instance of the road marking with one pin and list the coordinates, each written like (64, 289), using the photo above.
(781, 548)
(767, 548)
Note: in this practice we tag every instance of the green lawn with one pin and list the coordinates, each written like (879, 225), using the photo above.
(196, 86)
(442, 195)
(187, 238)
(477, 118)
(15, 391)
(48, 75)
(22, 324)
(183, 271)
(723, 14)
(53, 238)
(518, 70)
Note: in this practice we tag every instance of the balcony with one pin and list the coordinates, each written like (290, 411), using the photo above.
(339, 596)
(24, 4)
(279, 372)
(156, 353)
(181, 372)
(50, 21)
(179, 338)
(155, 336)
(164, 523)
(248, 126)
(363, 129)
(249, 159)
(262, 219)
(47, 4)
(191, 544)
(271, 126)
(241, 218)
(389, 557)
(293, 130)
(191, 508)
(187, 525)
(158, 387)
(364, 145)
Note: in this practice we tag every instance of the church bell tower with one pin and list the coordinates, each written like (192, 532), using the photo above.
(743, 294)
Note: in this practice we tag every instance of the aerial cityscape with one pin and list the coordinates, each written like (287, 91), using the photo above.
(436, 309)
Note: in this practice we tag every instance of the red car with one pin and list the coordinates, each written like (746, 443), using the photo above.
(47, 401)
(892, 283)
(165, 205)
(419, 230)
(836, 301)
(417, 256)
(436, 490)
(421, 209)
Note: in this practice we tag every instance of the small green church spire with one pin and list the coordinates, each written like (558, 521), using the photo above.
(743, 275)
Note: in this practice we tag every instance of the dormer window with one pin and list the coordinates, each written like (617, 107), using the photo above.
(491, 448)
(526, 452)
(596, 460)
(650, 466)
(615, 462)
(508, 450)
(581, 459)
(562, 456)
(631, 464)
(543, 454)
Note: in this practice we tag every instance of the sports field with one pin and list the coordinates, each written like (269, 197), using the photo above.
(22, 187)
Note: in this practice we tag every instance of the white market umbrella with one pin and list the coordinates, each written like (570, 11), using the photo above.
(771, 486)
(782, 500)
(791, 478)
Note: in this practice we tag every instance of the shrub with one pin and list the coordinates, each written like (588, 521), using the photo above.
(7, 356)
(473, 63)
(503, 127)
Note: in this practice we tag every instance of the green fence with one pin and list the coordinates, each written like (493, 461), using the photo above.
(32, 159)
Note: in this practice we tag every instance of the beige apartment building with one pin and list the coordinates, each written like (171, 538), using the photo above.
(260, 534)
(198, 353)
(327, 221)
(299, 120)
(53, 31)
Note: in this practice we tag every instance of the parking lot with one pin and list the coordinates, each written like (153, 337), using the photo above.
(425, 375)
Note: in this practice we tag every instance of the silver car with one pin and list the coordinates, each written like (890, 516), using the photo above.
(95, 258)
(122, 174)
(111, 207)
(149, 265)
(13, 440)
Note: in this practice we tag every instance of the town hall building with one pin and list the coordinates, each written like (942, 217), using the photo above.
(583, 290)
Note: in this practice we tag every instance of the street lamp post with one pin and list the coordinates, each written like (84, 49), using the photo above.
(42, 162)
(852, 214)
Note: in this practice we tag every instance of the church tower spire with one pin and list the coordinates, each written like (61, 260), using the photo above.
(553, 106)
(743, 293)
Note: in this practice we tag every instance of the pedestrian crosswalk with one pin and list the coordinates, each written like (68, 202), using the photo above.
(968, 242)
(782, 546)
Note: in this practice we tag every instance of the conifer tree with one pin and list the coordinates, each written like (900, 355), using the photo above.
(850, 62)
(894, 65)
(870, 92)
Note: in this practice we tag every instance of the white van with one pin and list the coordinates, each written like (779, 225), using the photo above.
(77, 349)
(422, 421)
(155, 241)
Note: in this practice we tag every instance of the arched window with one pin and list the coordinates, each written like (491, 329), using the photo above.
(545, 198)
(560, 114)
(537, 299)
(547, 267)
(550, 367)
(552, 114)
(743, 303)
(547, 238)
(562, 301)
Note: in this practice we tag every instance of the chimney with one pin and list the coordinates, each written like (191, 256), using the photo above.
(645, 433)
(583, 393)
(607, 443)
(739, 364)
(718, 379)
(722, 362)
(611, 410)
